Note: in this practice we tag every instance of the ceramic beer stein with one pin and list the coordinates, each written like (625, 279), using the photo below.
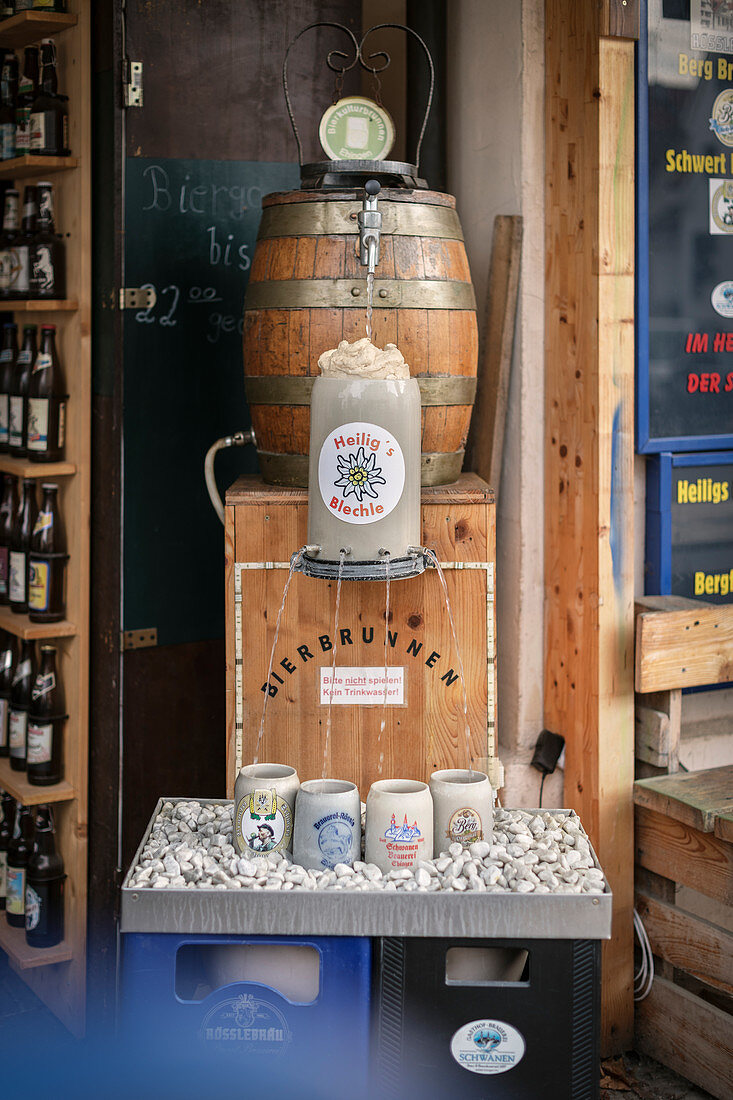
(399, 823)
(462, 808)
(264, 805)
(327, 823)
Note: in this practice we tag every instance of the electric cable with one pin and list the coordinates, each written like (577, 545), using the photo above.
(644, 976)
(542, 784)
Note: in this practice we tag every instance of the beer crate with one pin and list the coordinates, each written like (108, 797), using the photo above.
(424, 725)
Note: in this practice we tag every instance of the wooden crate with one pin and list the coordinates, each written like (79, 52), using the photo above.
(684, 837)
(265, 525)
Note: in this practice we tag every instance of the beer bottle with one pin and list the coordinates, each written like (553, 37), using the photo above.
(20, 699)
(44, 889)
(19, 851)
(47, 562)
(8, 508)
(18, 421)
(11, 229)
(7, 666)
(49, 114)
(20, 544)
(22, 285)
(6, 834)
(8, 98)
(8, 360)
(46, 720)
(46, 431)
(48, 266)
(27, 92)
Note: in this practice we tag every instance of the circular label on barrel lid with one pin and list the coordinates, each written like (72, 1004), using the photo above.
(356, 128)
(361, 472)
(488, 1046)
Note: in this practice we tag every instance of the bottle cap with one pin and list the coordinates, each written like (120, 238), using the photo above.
(44, 183)
(30, 328)
(48, 328)
(49, 486)
(10, 324)
(48, 649)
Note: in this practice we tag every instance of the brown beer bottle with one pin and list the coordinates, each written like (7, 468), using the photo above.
(20, 699)
(27, 91)
(47, 562)
(46, 721)
(19, 852)
(6, 832)
(7, 667)
(44, 886)
(48, 258)
(8, 360)
(49, 113)
(46, 429)
(20, 544)
(8, 238)
(8, 507)
(18, 421)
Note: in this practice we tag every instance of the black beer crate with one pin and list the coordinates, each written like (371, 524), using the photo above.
(510, 1019)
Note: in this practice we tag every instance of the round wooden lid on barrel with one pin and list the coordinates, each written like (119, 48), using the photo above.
(307, 291)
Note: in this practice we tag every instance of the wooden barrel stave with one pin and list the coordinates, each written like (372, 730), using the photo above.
(438, 343)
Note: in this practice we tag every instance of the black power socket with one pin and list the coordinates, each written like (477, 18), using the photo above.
(547, 752)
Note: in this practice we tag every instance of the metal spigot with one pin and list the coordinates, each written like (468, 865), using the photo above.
(370, 227)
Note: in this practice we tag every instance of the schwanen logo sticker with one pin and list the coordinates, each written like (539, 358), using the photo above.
(487, 1046)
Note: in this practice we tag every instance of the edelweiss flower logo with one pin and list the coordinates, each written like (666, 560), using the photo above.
(359, 475)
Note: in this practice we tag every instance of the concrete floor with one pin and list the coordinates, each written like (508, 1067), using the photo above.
(636, 1075)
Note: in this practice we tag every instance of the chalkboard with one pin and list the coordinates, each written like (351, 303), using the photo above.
(190, 232)
(685, 231)
(689, 538)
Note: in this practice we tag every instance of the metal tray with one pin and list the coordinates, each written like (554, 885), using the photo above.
(311, 913)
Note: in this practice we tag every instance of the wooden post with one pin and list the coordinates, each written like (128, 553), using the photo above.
(589, 681)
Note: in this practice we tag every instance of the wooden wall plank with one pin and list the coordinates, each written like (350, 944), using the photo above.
(678, 852)
(688, 942)
(589, 453)
(684, 648)
(692, 1037)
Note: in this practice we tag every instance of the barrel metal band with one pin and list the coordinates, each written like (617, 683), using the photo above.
(330, 219)
(294, 390)
(292, 470)
(351, 293)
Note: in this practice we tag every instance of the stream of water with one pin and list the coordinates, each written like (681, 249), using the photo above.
(370, 304)
(383, 722)
(327, 741)
(429, 554)
(294, 563)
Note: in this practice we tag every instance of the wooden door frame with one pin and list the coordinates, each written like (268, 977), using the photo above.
(589, 446)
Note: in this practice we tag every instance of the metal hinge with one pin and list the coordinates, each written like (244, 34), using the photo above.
(132, 83)
(137, 297)
(139, 639)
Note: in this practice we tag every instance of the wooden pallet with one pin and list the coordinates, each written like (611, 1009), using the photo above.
(684, 837)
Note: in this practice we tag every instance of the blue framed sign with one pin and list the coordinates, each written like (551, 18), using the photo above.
(689, 526)
(684, 305)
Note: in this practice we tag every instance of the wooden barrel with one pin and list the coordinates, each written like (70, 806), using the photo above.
(307, 291)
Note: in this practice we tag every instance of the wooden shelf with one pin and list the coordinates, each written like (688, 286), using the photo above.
(12, 941)
(16, 783)
(23, 467)
(32, 165)
(31, 26)
(38, 305)
(22, 627)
